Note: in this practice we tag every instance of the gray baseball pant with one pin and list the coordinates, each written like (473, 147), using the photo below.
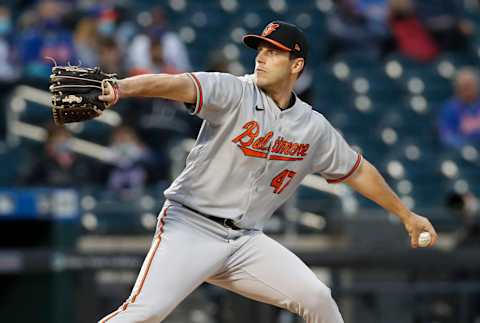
(189, 249)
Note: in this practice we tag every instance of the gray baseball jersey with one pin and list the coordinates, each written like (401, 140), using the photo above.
(250, 156)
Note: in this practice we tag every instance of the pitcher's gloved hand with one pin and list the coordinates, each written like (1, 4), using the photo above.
(76, 90)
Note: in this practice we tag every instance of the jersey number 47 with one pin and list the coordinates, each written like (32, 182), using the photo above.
(282, 180)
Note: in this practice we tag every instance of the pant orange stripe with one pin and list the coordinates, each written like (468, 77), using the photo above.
(147, 270)
(111, 315)
(157, 243)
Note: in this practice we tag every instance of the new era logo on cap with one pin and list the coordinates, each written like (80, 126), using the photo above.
(282, 35)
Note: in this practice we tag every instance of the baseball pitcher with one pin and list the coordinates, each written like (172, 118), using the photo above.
(257, 142)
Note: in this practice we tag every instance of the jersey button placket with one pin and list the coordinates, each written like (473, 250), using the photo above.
(280, 122)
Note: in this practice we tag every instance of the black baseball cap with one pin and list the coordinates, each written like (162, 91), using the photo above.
(283, 35)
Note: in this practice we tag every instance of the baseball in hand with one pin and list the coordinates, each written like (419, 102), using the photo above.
(424, 239)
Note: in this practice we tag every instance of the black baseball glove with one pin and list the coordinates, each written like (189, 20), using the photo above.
(75, 92)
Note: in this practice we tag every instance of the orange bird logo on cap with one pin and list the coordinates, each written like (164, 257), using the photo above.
(270, 29)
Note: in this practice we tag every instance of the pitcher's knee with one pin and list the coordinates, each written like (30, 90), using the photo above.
(151, 313)
(317, 299)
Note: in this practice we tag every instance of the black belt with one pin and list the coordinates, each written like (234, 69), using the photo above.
(228, 223)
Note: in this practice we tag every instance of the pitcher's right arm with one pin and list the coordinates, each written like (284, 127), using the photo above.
(177, 87)
(212, 96)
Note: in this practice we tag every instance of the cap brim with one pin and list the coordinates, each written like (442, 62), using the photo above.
(253, 41)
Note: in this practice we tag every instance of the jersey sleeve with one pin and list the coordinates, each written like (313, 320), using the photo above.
(218, 94)
(334, 159)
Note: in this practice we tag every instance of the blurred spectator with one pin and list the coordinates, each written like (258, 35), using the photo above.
(410, 37)
(218, 62)
(107, 21)
(174, 51)
(101, 36)
(444, 20)
(466, 207)
(374, 9)
(111, 57)
(159, 61)
(58, 165)
(127, 28)
(459, 122)
(155, 62)
(8, 66)
(132, 164)
(86, 41)
(351, 30)
(45, 36)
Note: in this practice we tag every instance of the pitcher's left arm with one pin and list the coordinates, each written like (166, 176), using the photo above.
(368, 181)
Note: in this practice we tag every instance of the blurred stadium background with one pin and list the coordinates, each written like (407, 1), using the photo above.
(78, 206)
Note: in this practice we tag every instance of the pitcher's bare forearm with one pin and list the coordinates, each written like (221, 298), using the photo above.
(177, 87)
(368, 181)
(371, 184)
